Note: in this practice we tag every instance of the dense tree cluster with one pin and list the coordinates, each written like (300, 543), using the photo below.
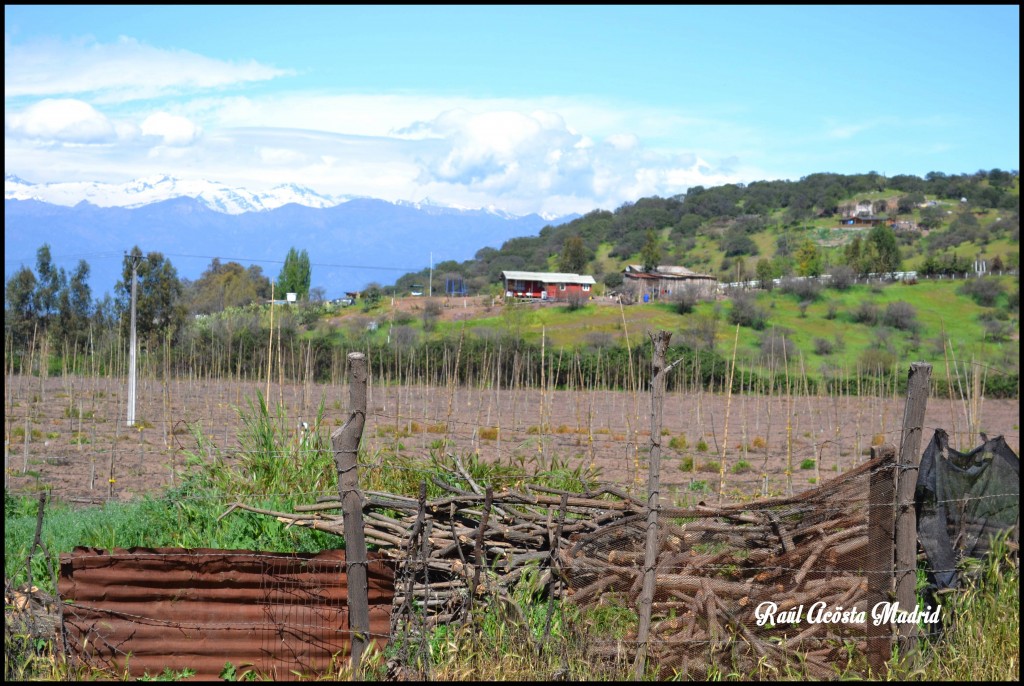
(226, 285)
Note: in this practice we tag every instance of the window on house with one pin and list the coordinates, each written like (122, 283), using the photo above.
(586, 287)
(561, 286)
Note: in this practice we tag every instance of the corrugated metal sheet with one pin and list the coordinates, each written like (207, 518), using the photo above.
(281, 615)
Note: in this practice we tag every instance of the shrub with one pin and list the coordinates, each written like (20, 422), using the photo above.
(741, 467)
(866, 313)
(702, 446)
(678, 443)
(823, 346)
(802, 288)
(807, 464)
(842, 277)
(777, 346)
(900, 315)
(686, 464)
(489, 433)
(985, 291)
(684, 300)
(576, 301)
(876, 361)
(745, 312)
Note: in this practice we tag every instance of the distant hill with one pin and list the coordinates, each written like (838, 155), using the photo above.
(350, 244)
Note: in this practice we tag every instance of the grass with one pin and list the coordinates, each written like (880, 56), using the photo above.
(982, 625)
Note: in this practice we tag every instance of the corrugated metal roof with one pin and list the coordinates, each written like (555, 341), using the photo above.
(147, 609)
(666, 271)
(549, 277)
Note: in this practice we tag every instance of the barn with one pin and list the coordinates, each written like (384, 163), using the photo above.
(547, 285)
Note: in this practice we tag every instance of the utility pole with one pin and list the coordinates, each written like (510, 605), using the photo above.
(131, 353)
(430, 284)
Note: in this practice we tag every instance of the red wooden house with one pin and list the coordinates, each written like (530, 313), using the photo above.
(546, 285)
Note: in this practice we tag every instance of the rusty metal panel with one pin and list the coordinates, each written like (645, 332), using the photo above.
(281, 615)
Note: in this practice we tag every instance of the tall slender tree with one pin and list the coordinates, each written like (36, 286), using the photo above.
(296, 274)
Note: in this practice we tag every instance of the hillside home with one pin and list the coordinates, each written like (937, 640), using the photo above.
(665, 281)
(546, 285)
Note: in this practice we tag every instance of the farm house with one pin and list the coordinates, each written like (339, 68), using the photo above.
(546, 285)
(666, 280)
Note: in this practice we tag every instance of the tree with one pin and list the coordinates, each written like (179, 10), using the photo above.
(19, 308)
(74, 305)
(808, 259)
(159, 308)
(49, 282)
(650, 254)
(574, 256)
(296, 274)
(227, 285)
(931, 217)
(764, 273)
(885, 251)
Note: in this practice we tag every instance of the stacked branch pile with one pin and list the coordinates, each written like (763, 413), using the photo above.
(715, 565)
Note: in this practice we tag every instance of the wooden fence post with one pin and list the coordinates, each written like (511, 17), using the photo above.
(918, 386)
(345, 441)
(659, 341)
(879, 562)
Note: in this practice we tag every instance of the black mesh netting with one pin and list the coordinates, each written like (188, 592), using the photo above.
(962, 501)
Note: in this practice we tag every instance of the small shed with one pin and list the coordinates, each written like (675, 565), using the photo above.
(665, 281)
(546, 285)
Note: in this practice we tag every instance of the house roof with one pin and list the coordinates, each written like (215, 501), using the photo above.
(549, 277)
(664, 271)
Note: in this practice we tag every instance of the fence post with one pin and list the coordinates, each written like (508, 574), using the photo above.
(918, 387)
(345, 441)
(659, 341)
(879, 562)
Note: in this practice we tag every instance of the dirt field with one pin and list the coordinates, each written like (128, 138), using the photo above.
(78, 440)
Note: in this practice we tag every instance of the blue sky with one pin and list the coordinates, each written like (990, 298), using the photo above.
(524, 108)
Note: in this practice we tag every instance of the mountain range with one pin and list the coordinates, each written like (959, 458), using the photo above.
(351, 241)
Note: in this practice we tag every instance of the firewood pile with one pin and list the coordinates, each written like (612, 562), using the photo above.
(715, 565)
(464, 547)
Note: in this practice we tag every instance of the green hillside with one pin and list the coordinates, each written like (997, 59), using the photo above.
(940, 223)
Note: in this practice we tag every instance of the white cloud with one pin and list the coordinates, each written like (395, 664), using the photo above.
(173, 129)
(552, 155)
(118, 72)
(62, 120)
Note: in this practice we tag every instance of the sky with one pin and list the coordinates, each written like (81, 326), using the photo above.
(534, 108)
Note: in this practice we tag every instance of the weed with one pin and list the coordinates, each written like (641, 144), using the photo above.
(740, 467)
(678, 442)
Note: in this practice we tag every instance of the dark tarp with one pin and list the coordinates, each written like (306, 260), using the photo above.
(962, 500)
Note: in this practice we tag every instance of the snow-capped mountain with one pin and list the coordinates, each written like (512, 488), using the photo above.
(216, 196)
(352, 240)
(148, 190)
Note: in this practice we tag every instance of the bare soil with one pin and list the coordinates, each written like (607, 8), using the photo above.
(80, 447)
